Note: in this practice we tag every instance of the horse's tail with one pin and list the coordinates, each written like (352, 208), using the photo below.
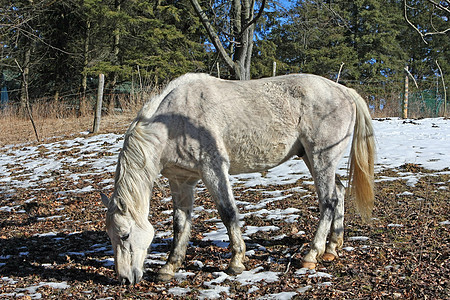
(362, 156)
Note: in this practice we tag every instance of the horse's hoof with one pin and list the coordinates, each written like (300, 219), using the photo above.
(164, 277)
(328, 257)
(236, 270)
(309, 265)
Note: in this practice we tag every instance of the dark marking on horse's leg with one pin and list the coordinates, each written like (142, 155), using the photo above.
(219, 186)
(230, 217)
(182, 197)
(337, 226)
(324, 178)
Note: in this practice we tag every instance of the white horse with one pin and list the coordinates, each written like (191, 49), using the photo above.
(206, 128)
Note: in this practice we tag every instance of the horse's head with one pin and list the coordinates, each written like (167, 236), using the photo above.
(129, 239)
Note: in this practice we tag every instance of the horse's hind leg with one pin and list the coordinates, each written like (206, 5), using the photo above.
(322, 166)
(219, 187)
(337, 226)
(183, 198)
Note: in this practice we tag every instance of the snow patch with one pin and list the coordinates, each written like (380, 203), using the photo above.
(214, 292)
(179, 291)
(279, 296)
(33, 289)
(254, 276)
(395, 225)
(358, 238)
(406, 193)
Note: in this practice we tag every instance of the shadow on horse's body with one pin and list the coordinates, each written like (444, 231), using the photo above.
(205, 128)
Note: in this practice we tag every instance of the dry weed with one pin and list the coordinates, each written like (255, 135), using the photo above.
(57, 119)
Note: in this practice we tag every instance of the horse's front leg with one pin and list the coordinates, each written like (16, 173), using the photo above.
(219, 186)
(183, 198)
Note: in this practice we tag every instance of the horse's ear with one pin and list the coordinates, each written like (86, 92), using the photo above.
(105, 200)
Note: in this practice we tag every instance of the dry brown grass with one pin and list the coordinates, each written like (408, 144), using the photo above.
(55, 123)
(56, 119)
(18, 130)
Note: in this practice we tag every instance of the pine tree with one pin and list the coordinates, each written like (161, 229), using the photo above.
(158, 40)
(317, 37)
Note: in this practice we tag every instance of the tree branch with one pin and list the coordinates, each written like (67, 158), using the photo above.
(337, 15)
(405, 14)
(440, 6)
(255, 19)
(409, 73)
(423, 35)
(212, 34)
(339, 74)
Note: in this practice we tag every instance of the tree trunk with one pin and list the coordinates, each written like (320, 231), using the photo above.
(244, 42)
(25, 98)
(23, 85)
(115, 60)
(242, 30)
(82, 105)
(116, 48)
(86, 58)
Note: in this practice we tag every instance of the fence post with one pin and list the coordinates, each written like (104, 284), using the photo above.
(218, 69)
(98, 106)
(405, 96)
(274, 69)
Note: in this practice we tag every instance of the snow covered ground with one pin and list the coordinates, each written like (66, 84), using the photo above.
(423, 142)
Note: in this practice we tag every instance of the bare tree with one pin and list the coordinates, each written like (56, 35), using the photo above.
(19, 35)
(240, 36)
(439, 13)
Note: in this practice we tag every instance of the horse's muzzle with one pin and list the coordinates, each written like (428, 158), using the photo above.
(134, 278)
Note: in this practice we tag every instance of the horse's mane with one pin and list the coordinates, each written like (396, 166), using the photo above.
(136, 169)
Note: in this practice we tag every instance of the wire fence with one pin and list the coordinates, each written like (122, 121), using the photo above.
(426, 100)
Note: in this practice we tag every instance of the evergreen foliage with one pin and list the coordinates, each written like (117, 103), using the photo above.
(370, 37)
(61, 46)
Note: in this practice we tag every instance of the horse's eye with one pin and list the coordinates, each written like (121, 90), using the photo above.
(125, 237)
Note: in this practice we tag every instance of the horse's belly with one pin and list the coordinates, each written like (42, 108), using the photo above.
(256, 157)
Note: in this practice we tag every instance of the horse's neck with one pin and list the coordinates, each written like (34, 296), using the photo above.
(137, 170)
